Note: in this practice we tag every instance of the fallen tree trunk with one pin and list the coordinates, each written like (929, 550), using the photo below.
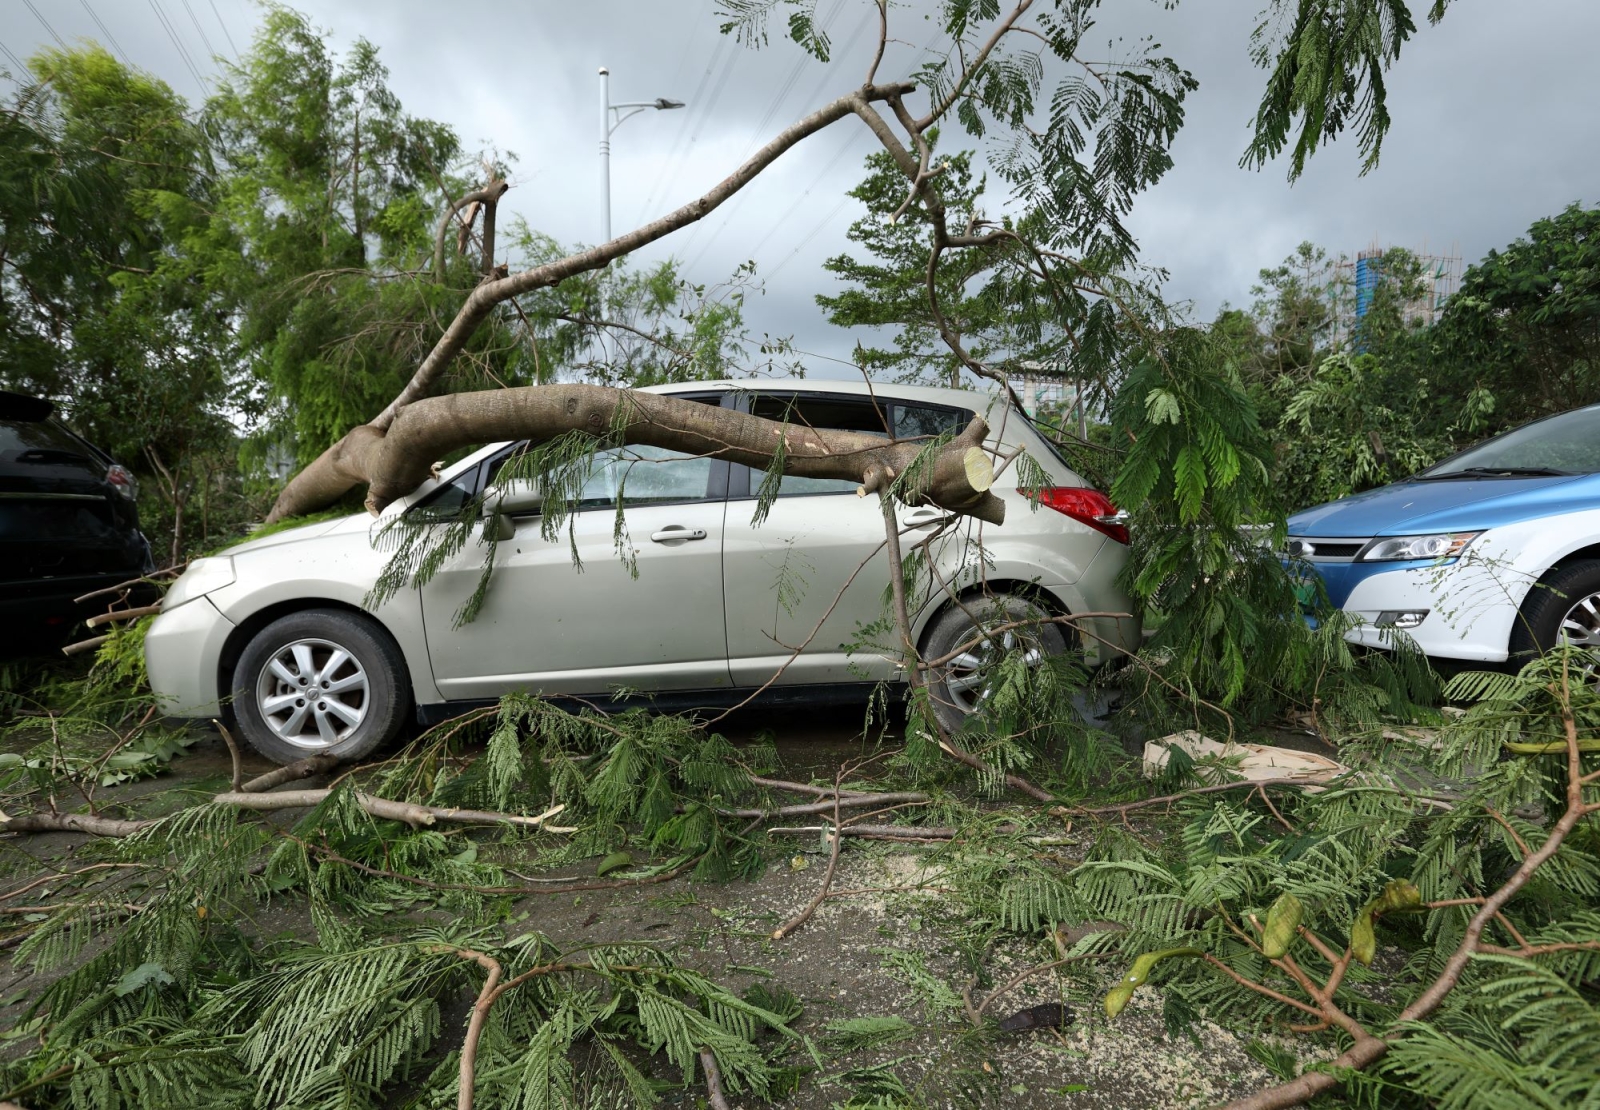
(392, 463)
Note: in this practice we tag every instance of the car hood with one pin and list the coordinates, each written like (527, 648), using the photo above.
(303, 532)
(1449, 505)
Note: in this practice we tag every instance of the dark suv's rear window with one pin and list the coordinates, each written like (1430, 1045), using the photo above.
(25, 443)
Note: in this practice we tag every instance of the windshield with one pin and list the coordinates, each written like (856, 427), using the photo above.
(1565, 444)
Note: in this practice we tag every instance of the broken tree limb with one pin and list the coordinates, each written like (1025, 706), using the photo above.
(91, 823)
(325, 479)
(408, 812)
(81, 646)
(290, 772)
(714, 1095)
(394, 462)
(411, 813)
(875, 832)
(847, 802)
(122, 615)
(236, 782)
(804, 915)
(486, 196)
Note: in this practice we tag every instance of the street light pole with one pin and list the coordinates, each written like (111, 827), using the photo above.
(607, 126)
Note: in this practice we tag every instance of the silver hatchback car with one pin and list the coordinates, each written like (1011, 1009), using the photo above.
(278, 628)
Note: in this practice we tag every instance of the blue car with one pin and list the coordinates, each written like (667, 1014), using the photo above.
(1489, 556)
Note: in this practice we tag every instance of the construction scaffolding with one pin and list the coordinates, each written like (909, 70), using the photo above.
(1355, 285)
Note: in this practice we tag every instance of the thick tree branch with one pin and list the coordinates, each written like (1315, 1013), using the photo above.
(395, 462)
(486, 196)
(312, 487)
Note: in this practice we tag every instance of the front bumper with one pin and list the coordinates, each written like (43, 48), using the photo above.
(1471, 603)
(183, 654)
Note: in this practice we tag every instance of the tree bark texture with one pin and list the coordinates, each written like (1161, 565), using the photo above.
(392, 463)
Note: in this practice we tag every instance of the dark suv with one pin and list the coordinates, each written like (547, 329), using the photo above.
(68, 526)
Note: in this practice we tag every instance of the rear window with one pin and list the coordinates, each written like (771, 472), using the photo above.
(24, 442)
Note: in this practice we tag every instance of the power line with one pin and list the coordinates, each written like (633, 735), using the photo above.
(719, 84)
(59, 40)
(826, 220)
(224, 27)
(183, 54)
(696, 109)
(760, 129)
(210, 50)
(782, 221)
(106, 31)
(16, 61)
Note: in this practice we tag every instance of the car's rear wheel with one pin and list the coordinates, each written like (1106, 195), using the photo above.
(320, 681)
(1563, 608)
(958, 686)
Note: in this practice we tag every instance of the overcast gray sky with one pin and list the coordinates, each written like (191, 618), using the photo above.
(1495, 125)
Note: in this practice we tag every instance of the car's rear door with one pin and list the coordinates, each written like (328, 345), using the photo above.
(549, 625)
(812, 575)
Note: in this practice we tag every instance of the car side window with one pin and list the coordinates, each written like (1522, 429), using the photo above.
(645, 475)
(926, 421)
(839, 414)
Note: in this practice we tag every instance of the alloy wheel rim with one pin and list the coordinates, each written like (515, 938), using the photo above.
(1580, 628)
(967, 676)
(313, 693)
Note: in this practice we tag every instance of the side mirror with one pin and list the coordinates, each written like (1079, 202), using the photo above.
(501, 505)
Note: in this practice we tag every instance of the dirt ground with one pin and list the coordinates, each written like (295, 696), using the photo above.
(850, 960)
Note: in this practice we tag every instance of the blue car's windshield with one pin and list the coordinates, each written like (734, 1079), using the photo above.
(1558, 445)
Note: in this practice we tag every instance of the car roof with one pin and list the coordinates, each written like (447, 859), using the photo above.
(975, 399)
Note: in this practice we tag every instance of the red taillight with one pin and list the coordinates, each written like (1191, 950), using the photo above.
(1086, 506)
(122, 480)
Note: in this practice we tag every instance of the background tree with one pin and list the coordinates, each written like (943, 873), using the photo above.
(1525, 324)
(888, 290)
(105, 181)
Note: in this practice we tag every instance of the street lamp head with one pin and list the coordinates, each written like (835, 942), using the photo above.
(604, 72)
(663, 103)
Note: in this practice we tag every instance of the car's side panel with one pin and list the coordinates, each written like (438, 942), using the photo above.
(550, 626)
(811, 576)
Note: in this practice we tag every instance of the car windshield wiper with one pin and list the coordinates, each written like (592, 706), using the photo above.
(1497, 472)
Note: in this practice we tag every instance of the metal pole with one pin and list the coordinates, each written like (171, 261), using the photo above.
(605, 154)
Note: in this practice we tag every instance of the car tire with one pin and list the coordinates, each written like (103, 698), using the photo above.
(365, 691)
(955, 689)
(1565, 600)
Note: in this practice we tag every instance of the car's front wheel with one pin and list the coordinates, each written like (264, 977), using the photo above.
(1564, 607)
(320, 681)
(966, 642)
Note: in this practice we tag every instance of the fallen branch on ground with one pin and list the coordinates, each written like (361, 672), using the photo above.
(848, 801)
(714, 1095)
(408, 812)
(804, 915)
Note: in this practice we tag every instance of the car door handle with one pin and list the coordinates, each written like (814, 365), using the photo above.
(678, 532)
(922, 518)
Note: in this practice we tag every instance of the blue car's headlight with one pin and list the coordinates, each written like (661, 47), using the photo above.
(1440, 545)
